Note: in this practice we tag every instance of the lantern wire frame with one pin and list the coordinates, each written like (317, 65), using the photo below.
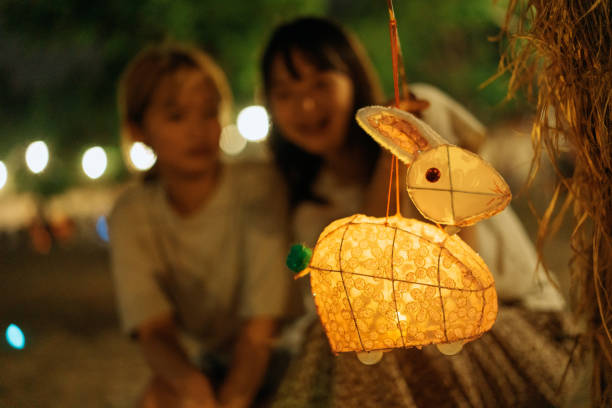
(456, 279)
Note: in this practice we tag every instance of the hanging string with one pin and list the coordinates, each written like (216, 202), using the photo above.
(395, 55)
(394, 50)
(390, 184)
(397, 195)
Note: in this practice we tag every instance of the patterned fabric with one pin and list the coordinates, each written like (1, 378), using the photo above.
(521, 362)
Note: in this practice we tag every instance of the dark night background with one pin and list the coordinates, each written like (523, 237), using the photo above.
(59, 64)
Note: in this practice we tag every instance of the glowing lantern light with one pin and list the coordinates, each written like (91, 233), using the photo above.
(94, 162)
(383, 283)
(142, 156)
(392, 282)
(14, 336)
(253, 123)
(102, 228)
(37, 156)
(3, 175)
(231, 141)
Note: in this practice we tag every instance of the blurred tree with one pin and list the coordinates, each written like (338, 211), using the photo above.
(60, 61)
(445, 43)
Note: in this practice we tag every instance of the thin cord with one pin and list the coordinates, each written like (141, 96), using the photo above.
(390, 185)
(394, 58)
(397, 195)
(394, 51)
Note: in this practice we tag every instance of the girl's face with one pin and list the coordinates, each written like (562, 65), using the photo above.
(182, 125)
(314, 110)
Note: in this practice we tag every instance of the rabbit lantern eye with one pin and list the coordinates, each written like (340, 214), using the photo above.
(432, 175)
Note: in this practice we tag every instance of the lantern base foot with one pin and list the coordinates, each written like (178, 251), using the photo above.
(370, 357)
(450, 349)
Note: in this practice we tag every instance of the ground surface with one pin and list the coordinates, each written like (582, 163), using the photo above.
(74, 356)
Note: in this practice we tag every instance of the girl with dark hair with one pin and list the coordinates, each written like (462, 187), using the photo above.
(315, 77)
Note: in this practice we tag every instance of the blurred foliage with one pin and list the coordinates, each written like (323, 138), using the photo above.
(60, 61)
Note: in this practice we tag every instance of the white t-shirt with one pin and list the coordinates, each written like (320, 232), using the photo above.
(503, 242)
(212, 269)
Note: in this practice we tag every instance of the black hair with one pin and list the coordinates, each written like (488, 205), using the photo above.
(328, 47)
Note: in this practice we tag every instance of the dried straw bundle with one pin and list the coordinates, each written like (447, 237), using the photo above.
(561, 51)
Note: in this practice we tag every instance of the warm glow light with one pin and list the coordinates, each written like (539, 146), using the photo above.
(3, 175)
(253, 123)
(14, 336)
(384, 283)
(94, 162)
(37, 156)
(231, 141)
(142, 157)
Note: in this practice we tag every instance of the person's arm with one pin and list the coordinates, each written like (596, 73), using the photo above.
(249, 364)
(169, 363)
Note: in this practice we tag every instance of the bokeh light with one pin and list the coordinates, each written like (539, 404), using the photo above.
(3, 175)
(231, 141)
(142, 157)
(37, 156)
(15, 337)
(253, 123)
(94, 162)
(102, 228)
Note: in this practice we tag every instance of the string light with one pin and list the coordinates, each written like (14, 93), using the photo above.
(94, 162)
(142, 156)
(102, 228)
(15, 337)
(253, 123)
(3, 175)
(37, 156)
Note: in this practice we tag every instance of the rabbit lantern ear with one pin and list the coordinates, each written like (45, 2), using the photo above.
(402, 133)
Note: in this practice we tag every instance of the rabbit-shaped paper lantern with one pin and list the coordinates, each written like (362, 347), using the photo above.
(393, 282)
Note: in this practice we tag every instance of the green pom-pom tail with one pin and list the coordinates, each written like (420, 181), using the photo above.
(299, 257)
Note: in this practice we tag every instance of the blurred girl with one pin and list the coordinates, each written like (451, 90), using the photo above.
(196, 251)
(315, 78)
